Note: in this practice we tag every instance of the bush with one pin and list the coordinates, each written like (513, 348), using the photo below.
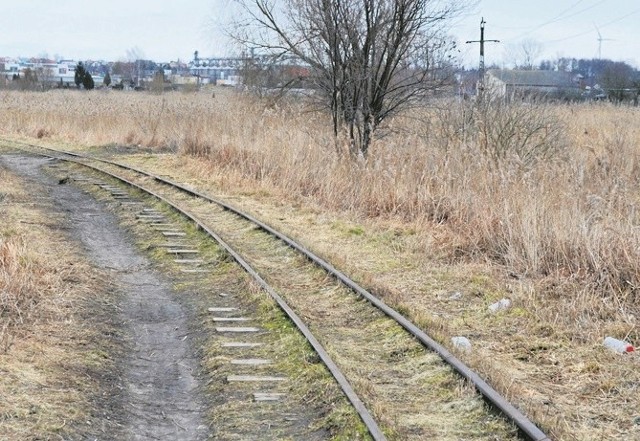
(525, 131)
(78, 77)
(82, 76)
(87, 81)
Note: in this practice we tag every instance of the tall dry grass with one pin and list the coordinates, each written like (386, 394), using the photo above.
(542, 189)
(546, 193)
(27, 281)
(19, 293)
(30, 280)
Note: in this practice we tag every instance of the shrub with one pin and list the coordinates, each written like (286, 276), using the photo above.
(515, 129)
(87, 81)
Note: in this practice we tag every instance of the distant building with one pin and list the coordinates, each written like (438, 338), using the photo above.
(533, 83)
(233, 71)
(66, 71)
(48, 72)
(222, 71)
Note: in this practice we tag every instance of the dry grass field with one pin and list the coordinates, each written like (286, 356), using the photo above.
(535, 203)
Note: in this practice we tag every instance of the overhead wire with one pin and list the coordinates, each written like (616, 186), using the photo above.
(532, 28)
(609, 23)
(560, 17)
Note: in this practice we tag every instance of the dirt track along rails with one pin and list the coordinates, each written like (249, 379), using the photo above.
(203, 218)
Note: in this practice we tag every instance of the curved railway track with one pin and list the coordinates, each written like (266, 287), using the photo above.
(263, 252)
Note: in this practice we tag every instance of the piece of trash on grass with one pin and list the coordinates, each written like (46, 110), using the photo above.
(619, 346)
(462, 343)
(499, 305)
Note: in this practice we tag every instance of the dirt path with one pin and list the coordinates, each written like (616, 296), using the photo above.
(159, 388)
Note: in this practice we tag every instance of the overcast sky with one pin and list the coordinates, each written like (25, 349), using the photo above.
(171, 30)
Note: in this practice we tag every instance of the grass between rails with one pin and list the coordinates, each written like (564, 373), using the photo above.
(429, 214)
(57, 340)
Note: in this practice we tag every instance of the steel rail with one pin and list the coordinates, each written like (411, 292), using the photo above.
(370, 423)
(526, 426)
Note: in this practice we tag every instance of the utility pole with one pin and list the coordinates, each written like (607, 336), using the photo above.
(196, 65)
(482, 41)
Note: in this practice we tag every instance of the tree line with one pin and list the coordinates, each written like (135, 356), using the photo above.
(618, 79)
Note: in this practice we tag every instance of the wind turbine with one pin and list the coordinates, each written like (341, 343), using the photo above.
(600, 40)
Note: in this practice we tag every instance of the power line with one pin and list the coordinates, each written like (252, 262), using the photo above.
(616, 20)
(560, 17)
(534, 27)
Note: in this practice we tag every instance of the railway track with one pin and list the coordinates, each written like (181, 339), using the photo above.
(400, 381)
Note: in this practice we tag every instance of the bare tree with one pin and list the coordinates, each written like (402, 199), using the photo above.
(525, 54)
(135, 56)
(369, 58)
(618, 80)
(531, 50)
(28, 80)
(46, 76)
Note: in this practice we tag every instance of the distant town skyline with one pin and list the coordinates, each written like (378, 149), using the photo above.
(168, 31)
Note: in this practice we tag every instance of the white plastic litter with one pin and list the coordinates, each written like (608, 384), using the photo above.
(462, 343)
(499, 305)
(619, 346)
